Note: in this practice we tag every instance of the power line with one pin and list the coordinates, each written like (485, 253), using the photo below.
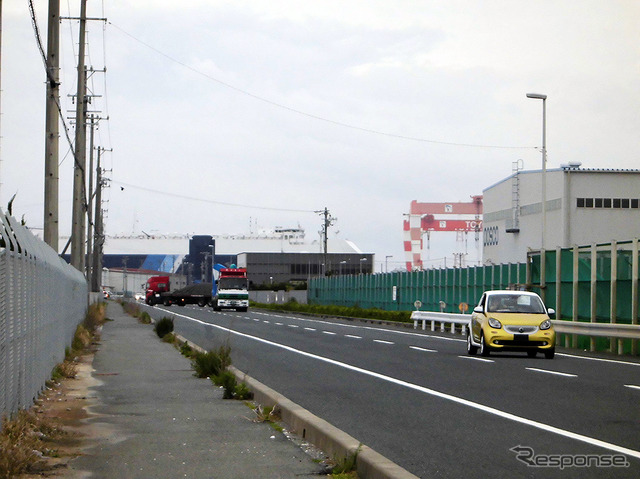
(203, 200)
(311, 115)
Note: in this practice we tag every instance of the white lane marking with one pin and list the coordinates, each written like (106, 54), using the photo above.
(329, 332)
(627, 363)
(444, 338)
(417, 348)
(293, 325)
(310, 329)
(256, 320)
(553, 372)
(266, 321)
(484, 360)
(352, 336)
(632, 386)
(279, 324)
(381, 341)
(433, 392)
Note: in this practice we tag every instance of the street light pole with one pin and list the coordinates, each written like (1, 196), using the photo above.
(539, 96)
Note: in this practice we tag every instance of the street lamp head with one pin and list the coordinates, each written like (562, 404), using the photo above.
(537, 96)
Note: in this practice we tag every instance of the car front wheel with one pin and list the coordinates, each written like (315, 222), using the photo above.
(484, 348)
(550, 353)
(471, 349)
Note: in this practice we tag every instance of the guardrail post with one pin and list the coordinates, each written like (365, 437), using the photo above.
(574, 295)
(634, 292)
(433, 325)
(594, 280)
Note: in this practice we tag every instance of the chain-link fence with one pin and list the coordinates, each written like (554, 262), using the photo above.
(42, 300)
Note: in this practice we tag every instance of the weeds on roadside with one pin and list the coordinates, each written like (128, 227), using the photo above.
(346, 468)
(144, 318)
(211, 363)
(23, 442)
(163, 327)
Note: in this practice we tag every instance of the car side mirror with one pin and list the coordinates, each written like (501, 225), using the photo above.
(478, 309)
(551, 311)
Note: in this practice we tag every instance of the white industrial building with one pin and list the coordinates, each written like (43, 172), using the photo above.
(583, 206)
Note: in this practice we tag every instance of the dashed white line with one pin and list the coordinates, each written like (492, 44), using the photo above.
(293, 325)
(417, 348)
(382, 341)
(553, 372)
(279, 324)
(352, 336)
(329, 332)
(310, 329)
(632, 386)
(484, 360)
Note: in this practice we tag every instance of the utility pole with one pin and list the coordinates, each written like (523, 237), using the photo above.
(79, 195)
(98, 231)
(328, 221)
(51, 177)
(89, 264)
(0, 98)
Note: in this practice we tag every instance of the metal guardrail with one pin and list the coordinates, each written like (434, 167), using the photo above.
(42, 300)
(606, 330)
(442, 318)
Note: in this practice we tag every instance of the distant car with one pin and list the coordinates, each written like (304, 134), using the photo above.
(106, 294)
(138, 296)
(511, 321)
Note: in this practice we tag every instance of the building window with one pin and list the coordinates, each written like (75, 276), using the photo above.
(618, 203)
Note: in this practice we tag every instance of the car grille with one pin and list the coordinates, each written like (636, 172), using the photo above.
(521, 329)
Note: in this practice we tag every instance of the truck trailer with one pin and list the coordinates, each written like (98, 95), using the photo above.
(159, 292)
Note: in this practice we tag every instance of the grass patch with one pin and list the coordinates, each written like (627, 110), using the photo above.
(340, 311)
(24, 440)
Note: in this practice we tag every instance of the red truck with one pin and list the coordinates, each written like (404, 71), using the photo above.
(159, 292)
(156, 285)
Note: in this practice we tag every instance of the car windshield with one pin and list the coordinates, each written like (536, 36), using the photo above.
(515, 303)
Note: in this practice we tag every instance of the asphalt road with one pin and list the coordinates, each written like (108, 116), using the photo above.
(418, 399)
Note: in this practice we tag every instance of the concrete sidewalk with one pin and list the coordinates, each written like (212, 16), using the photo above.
(158, 420)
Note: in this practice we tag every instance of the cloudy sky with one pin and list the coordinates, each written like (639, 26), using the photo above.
(288, 107)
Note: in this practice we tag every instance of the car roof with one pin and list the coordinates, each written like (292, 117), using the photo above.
(509, 291)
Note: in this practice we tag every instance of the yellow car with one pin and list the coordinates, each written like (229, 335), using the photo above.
(511, 321)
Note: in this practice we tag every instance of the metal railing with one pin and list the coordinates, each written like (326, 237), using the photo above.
(42, 300)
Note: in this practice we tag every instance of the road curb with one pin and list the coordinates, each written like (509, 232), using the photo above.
(323, 435)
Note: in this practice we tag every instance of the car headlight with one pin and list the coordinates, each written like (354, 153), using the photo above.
(494, 323)
(546, 324)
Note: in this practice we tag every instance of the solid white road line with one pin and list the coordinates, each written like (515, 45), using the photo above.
(432, 392)
(632, 386)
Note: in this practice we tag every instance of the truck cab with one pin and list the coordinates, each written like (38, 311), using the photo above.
(156, 285)
(231, 290)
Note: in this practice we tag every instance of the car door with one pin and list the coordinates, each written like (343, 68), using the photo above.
(477, 318)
